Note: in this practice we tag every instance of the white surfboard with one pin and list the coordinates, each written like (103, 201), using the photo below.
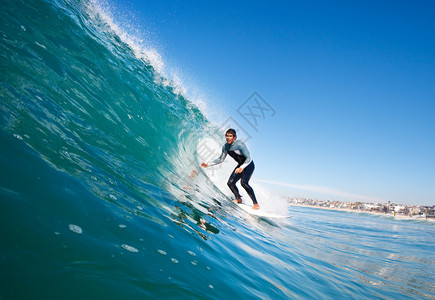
(260, 212)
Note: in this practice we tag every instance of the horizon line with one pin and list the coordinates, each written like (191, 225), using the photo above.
(324, 190)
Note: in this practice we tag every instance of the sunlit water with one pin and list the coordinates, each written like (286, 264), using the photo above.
(97, 201)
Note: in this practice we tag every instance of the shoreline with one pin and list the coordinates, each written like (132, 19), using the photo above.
(365, 211)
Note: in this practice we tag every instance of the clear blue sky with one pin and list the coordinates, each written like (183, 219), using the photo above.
(352, 84)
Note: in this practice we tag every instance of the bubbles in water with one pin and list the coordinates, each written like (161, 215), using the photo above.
(174, 260)
(65, 153)
(161, 252)
(17, 136)
(75, 228)
(129, 248)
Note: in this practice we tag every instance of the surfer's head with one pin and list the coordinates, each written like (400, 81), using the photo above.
(230, 136)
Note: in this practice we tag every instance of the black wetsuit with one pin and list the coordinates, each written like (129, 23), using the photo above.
(241, 155)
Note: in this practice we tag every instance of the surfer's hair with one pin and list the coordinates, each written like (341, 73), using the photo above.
(231, 131)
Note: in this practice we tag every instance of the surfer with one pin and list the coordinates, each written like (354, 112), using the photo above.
(245, 166)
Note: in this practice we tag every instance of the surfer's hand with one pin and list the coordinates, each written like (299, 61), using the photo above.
(204, 165)
(239, 170)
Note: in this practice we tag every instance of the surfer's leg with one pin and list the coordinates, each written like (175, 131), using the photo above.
(246, 176)
(232, 185)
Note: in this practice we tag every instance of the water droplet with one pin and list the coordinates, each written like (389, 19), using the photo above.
(129, 248)
(174, 260)
(17, 136)
(75, 228)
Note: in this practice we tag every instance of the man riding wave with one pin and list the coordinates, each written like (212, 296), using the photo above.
(244, 169)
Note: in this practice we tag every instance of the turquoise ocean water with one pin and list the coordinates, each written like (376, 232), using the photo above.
(96, 201)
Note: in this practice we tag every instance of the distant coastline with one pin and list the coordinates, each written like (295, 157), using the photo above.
(389, 210)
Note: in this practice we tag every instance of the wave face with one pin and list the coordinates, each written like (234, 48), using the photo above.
(99, 201)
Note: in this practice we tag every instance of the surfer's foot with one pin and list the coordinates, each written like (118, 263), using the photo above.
(256, 206)
(238, 201)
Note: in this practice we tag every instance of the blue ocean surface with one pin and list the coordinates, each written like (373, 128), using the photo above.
(98, 199)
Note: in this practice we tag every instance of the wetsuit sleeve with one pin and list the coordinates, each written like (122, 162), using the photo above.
(245, 153)
(220, 158)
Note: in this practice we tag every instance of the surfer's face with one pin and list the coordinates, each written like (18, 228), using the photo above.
(230, 138)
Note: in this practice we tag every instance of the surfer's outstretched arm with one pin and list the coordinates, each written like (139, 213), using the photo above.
(218, 160)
